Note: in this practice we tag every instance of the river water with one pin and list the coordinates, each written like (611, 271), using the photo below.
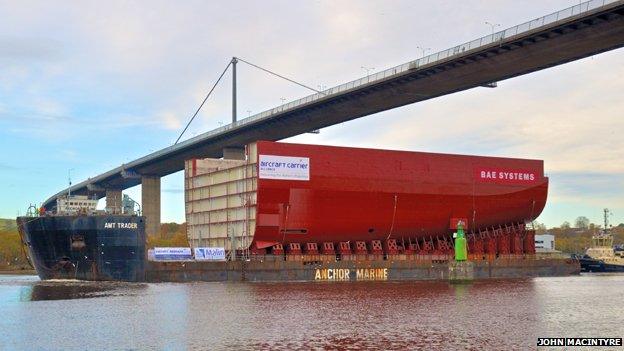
(491, 315)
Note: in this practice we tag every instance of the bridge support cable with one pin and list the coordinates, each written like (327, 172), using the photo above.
(233, 63)
(278, 75)
(203, 102)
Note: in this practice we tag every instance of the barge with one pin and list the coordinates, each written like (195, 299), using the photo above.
(424, 267)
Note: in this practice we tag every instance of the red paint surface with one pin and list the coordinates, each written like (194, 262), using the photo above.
(454, 222)
(366, 194)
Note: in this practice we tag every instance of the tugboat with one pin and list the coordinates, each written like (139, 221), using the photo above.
(601, 256)
(77, 241)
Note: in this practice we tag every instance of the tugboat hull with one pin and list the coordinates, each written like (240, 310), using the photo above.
(593, 265)
(98, 247)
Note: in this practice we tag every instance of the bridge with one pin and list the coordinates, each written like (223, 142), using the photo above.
(573, 33)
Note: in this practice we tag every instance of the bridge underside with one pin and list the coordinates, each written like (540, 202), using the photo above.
(558, 43)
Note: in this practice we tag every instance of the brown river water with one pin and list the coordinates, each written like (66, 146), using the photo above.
(482, 315)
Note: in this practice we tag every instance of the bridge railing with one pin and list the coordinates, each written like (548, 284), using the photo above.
(421, 62)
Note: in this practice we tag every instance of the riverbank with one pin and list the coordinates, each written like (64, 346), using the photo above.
(18, 272)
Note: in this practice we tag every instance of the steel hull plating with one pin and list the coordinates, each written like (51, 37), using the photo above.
(365, 194)
(86, 247)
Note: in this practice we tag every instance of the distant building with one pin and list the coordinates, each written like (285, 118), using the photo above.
(544, 243)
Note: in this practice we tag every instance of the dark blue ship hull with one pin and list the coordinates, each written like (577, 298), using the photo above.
(95, 247)
(589, 264)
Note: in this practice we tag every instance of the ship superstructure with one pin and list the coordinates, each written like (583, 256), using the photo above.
(74, 204)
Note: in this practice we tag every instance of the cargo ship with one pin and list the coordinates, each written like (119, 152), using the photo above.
(76, 241)
(307, 212)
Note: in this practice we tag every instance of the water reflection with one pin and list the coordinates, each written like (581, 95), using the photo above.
(391, 316)
(40, 292)
(491, 314)
(72, 289)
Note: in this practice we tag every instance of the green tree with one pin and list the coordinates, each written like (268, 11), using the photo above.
(581, 222)
(540, 228)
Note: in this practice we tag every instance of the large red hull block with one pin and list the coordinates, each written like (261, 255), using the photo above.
(311, 200)
(338, 194)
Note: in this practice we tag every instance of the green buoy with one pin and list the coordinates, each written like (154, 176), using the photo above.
(461, 250)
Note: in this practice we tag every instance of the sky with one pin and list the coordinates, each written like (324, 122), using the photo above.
(86, 86)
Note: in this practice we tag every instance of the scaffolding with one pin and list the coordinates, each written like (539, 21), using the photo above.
(221, 198)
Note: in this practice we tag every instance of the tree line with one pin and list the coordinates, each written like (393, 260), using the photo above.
(577, 238)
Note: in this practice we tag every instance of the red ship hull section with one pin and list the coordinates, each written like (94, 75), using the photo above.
(355, 194)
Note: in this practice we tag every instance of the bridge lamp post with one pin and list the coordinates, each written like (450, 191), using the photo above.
(368, 69)
(493, 26)
(423, 51)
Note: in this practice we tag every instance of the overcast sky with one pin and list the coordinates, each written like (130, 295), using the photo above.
(90, 85)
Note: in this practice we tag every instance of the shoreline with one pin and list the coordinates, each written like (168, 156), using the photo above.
(18, 272)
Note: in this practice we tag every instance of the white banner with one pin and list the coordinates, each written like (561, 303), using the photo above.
(209, 253)
(172, 253)
(283, 167)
